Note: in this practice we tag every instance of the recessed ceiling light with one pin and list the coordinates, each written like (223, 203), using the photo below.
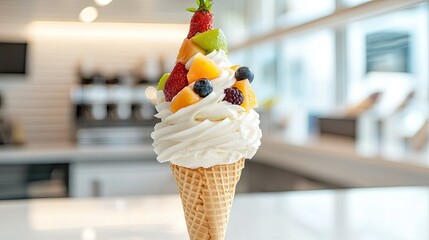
(103, 2)
(88, 14)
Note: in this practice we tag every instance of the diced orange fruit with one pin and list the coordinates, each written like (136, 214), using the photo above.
(235, 67)
(203, 67)
(188, 50)
(184, 98)
(250, 100)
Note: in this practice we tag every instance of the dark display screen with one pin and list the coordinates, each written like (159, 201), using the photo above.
(13, 58)
(388, 52)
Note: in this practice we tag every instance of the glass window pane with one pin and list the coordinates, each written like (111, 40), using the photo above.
(389, 54)
(263, 62)
(241, 20)
(307, 70)
(292, 12)
(233, 21)
(261, 16)
(262, 59)
(351, 3)
(394, 42)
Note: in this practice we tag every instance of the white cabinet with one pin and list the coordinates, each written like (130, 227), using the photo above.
(119, 178)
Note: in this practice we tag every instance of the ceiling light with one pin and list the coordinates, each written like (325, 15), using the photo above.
(102, 2)
(88, 14)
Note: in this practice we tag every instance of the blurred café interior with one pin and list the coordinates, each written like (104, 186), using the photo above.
(343, 90)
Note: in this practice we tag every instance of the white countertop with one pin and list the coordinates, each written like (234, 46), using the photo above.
(332, 160)
(362, 214)
(72, 153)
(336, 161)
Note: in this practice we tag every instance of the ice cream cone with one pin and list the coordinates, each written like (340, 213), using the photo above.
(207, 195)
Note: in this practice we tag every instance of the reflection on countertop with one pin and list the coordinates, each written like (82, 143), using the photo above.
(379, 213)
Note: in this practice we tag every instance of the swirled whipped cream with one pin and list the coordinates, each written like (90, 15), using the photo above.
(209, 132)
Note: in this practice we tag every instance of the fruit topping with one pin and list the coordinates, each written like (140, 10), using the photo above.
(234, 95)
(183, 99)
(203, 67)
(235, 67)
(211, 40)
(162, 81)
(202, 20)
(250, 100)
(176, 82)
(203, 87)
(244, 73)
(188, 50)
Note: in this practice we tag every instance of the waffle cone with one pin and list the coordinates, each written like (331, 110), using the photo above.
(207, 195)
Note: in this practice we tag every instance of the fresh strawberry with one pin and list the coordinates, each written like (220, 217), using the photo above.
(176, 82)
(202, 20)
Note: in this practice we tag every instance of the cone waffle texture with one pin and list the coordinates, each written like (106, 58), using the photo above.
(207, 195)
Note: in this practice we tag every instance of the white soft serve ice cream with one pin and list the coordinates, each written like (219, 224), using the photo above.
(210, 132)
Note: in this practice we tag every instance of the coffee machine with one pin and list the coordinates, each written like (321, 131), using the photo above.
(115, 109)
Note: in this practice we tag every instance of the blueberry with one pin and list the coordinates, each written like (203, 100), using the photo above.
(244, 73)
(203, 87)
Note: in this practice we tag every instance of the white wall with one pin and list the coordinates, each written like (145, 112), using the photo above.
(40, 101)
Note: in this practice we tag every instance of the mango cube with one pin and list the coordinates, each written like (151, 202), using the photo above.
(203, 67)
(250, 100)
(184, 98)
(188, 50)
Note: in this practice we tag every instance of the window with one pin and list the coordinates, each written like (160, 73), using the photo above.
(316, 68)
(234, 20)
(292, 12)
(351, 3)
(308, 70)
(394, 42)
(264, 66)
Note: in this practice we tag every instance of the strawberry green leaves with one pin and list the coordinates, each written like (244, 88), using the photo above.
(203, 5)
